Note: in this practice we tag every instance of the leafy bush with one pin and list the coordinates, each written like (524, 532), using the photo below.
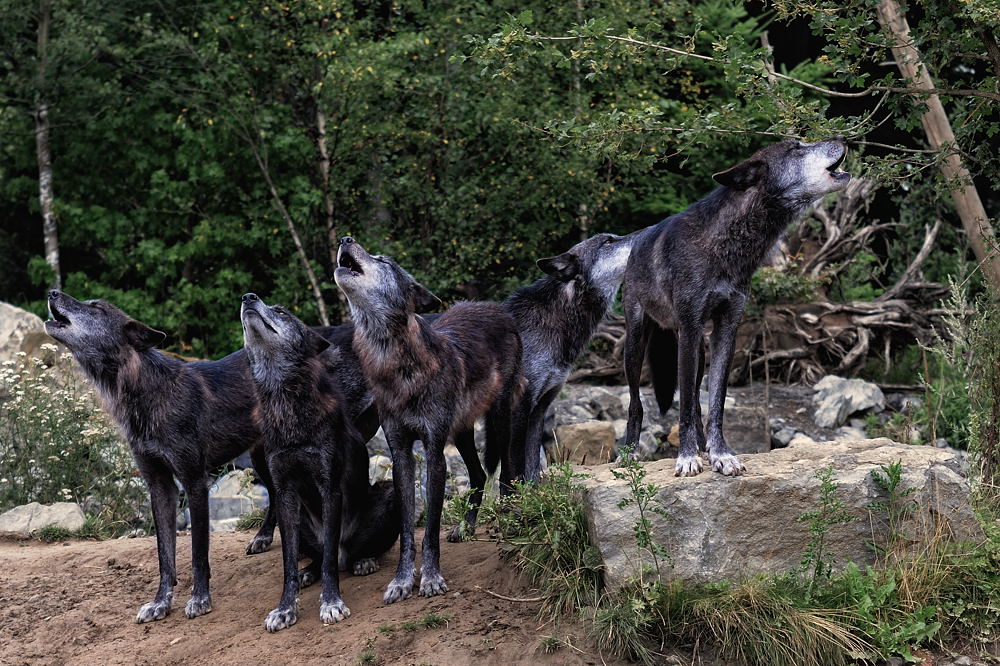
(58, 446)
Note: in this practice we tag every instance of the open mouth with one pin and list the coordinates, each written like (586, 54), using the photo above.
(345, 260)
(58, 318)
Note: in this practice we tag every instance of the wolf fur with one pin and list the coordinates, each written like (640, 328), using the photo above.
(316, 460)
(555, 316)
(695, 267)
(429, 380)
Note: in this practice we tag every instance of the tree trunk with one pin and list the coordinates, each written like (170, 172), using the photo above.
(299, 248)
(939, 133)
(324, 177)
(46, 195)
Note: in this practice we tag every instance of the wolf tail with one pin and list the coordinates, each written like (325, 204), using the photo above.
(661, 355)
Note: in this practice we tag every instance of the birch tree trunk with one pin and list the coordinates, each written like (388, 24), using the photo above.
(940, 135)
(46, 195)
(331, 227)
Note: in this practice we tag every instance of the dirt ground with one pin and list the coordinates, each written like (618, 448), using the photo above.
(75, 602)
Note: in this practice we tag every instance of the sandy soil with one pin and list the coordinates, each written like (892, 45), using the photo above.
(74, 603)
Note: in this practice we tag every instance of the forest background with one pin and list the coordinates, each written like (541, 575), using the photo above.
(170, 156)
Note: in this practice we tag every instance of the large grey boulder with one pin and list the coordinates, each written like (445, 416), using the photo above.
(838, 398)
(15, 323)
(28, 518)
(729, 528)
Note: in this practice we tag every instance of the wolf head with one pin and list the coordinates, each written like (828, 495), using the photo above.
(95, 329)
(276, 340)
(376, 285)
(791, 170)
(598, 262)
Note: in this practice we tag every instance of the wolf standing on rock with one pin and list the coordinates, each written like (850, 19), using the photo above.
(316, 460)
(695, 267)
(429, 381)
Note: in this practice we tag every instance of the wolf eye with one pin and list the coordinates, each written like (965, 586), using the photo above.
(280, 310)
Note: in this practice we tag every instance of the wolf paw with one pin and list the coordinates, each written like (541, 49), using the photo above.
(398, 590)
(334, 611)
(281, 618)
(366, 566)
(688, 466)
(198, 606)
(432, 585)
(154, 610)
(259, 544)
(306, 577)
(727, 464)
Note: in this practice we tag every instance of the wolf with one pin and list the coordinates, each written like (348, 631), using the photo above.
(429, 380)
(180, 420)
(316, 460)
(695, 267)
(555, 316)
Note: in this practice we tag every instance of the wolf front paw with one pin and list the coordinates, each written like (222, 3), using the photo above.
(198, 606)
(259, 544)
(365, 567)
(307, 577)
(281, 618)
(688, 466)
(397, 590)
(333, 611)
(154, 610)
(461, 532)
(432, 585)
(727, 464)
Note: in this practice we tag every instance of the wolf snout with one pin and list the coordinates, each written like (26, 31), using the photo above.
(250, 298)
(54, 294)
(346, 240)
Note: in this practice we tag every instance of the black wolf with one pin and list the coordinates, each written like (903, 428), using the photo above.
(695, 267)
(429, 381)
(556, 316)
(316, 460)
(180, 420)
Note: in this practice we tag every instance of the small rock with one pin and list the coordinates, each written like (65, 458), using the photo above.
(837, 398)
(781, 438)
(379, 469)
(590, 443)
(849, 433)
(941, 443)
(801, 439)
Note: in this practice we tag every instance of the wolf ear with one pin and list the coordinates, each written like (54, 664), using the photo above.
(564, 267)
(316, 342)
(424, 300)
(141, 336)
(743, 175)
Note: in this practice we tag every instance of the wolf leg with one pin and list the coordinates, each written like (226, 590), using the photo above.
(332, 607)
(287, 612)
(200, 602)
(637, 331)
(727, 321)
(689, 349)
(265, 535)
(431, 580)
(465, 442)
(401, 447)
(163, 496)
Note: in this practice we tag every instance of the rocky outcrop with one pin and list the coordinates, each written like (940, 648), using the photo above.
(15, 324)
(589, 443)
(27, 518)
(231, 496)
(723, 528)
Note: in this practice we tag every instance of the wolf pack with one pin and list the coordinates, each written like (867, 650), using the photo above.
(305, 400)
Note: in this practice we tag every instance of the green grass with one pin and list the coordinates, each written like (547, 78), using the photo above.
(252, 520)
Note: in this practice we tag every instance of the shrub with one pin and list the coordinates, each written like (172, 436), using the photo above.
(57, 445)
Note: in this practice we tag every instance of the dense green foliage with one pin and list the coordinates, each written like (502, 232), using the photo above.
(460, 138)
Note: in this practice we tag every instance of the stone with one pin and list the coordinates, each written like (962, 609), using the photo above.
(15, 323)
(849, 433)
(801, 439)
(837, 398)
(731, 528)
(603, 404)
(231, 496)
(781, 438)
(589, 443)
(28, 518)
